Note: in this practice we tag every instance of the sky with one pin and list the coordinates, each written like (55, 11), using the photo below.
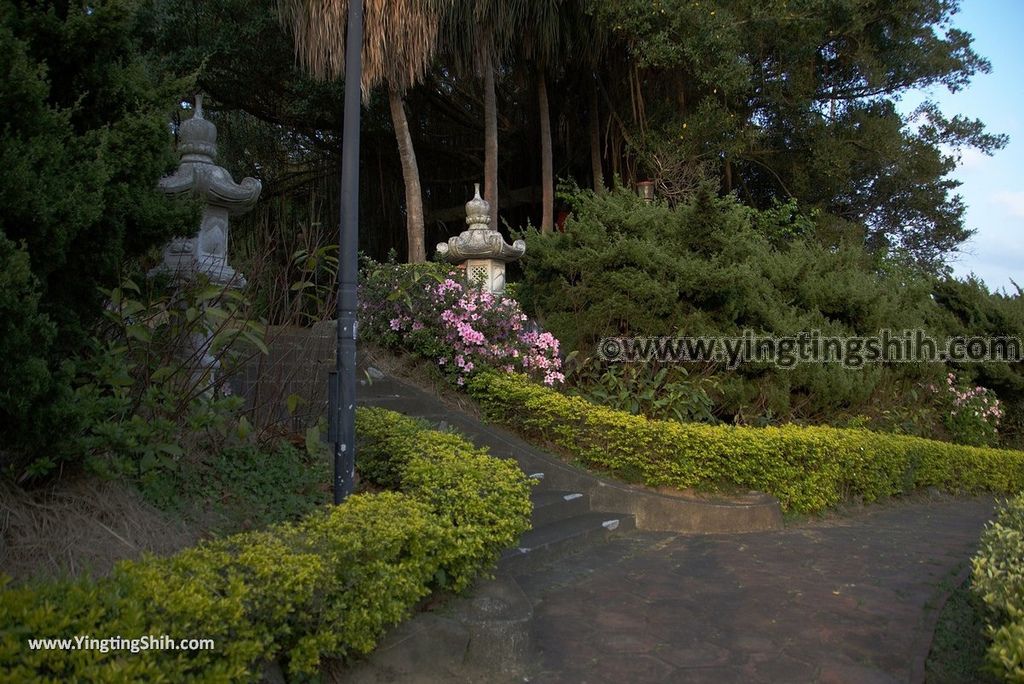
(993, 187)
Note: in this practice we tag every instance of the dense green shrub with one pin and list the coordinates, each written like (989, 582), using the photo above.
(970, 310)
(713, 267)
(486, 500)
(998, 578)
(86, 137)
(666, 392)
(807, 468)
(84, 140)
(33, 394)
(327, 585)
(971, 414)
(244, 486)
(137, 405)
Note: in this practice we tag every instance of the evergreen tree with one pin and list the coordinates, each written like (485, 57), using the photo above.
(84, 140)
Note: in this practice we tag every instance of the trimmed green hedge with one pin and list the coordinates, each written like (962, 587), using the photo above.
(807, 468)
(484, 501)
(998, 578)
(329, 585)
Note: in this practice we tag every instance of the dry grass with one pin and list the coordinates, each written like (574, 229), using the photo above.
(81, 526)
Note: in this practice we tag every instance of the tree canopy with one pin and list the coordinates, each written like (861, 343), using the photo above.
(773, 101)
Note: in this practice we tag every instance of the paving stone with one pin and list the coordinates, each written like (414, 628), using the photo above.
(783, 668)
(792, 606)
(713, 675)
(620, 668)
(629, 642)
(845, 673)
(694, 653)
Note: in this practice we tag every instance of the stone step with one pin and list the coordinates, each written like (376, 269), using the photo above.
(556, 539)
(552, 505)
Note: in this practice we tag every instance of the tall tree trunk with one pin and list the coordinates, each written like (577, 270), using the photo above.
(547, 173)
(411, 176)
(595, 140)
(491, 142)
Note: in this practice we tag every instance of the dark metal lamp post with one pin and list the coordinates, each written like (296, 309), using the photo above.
(342, 391)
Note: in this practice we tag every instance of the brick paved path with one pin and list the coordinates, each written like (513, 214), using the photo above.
(852, 599)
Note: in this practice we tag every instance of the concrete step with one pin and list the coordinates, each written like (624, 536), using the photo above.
(559, 538)
(552, 505)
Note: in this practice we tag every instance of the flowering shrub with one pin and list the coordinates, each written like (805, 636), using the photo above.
(426, 309)
(972, 414)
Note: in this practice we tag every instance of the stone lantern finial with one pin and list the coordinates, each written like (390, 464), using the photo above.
(478, 211)
(481, 248)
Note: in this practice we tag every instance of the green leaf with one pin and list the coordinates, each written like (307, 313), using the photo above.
(313, 443)
(256, 340)
(217, 314)
(171, 449)
(139, 332)
(244, 427)
(162, 373)
(293, 402)
(212, 292)
(148, 461)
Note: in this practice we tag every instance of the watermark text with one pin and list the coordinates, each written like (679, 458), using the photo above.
(117, 643)
(907, 346)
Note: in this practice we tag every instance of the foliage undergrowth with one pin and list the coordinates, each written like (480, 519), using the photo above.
(144, 403)
(711, 267)
(958, 646)
(326, 586)
(85, 140)
(426, 309)
(245, 487)
(998, 579)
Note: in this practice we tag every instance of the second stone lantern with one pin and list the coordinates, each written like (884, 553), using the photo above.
(480, 248)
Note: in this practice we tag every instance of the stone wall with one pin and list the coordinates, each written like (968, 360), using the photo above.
(298, 363)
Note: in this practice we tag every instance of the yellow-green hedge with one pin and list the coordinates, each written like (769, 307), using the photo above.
(998, 578)
(328, 585)
(807, 468)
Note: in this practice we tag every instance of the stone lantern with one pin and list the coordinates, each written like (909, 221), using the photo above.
(199, 176)
(206, 251)
(481, 249)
